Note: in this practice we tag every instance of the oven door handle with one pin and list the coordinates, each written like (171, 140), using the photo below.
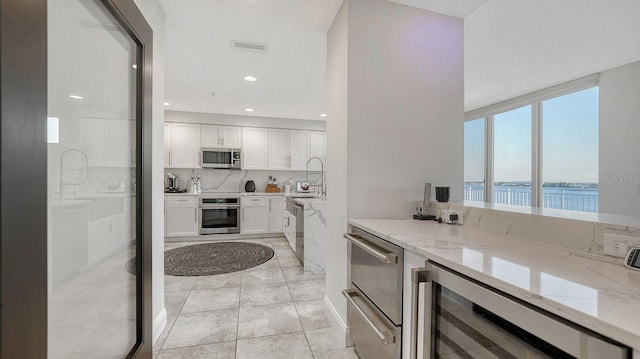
(384, 336)
(385, 257)
(217, 207)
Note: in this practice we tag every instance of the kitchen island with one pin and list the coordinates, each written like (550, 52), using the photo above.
(594, 292)
(315, 227)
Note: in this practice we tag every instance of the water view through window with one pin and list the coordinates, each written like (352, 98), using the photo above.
(569, 154)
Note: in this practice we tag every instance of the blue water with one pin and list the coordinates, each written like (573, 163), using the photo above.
(568, 198)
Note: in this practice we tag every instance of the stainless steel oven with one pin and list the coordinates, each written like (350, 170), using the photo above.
(374, 296)
(463, 318)
(219, 215)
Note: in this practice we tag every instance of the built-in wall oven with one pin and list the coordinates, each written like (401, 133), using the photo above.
(374, 296)
(219, 215)
(463, 318)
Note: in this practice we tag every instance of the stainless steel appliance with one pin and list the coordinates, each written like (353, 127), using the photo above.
(474, 320)
(296, 212)
(219, 215)
(172, 183)
(224, 158)
(374, 297)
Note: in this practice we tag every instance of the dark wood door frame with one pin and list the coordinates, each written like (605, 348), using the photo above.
(23, 175)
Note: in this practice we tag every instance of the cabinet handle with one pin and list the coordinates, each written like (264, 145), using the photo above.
(385, 257)
(418, 275)
(169, 157)
(384, 336)
(200, 159)
(195, 215)
(243, 214)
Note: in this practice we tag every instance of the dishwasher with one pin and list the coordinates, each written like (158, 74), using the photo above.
(296, 235)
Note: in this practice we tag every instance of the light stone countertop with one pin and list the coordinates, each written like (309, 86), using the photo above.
(209, 194)
(597, 294)
(310, 201)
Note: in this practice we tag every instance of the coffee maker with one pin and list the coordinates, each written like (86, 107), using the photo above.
(172, 183)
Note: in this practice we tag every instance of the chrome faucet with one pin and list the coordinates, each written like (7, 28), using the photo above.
(82, 168)
(323, 191)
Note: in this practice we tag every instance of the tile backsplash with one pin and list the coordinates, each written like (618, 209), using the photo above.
(234, 180)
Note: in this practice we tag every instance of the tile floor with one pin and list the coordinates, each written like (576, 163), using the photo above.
(273, 311)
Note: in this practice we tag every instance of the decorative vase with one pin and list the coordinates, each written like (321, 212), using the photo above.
(250, 186)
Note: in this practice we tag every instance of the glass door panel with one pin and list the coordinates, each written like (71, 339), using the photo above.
(92, 182)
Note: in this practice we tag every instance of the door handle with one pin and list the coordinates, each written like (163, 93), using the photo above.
(384, 336)
(385, 257)
(418, 275)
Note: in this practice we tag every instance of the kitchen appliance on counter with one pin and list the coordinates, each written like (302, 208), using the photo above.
(219, 215)
(295, 236)
(479, 321)
(223, 158)
(172, 183)
(374, 296)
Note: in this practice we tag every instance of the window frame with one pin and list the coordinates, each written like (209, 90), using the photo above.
(535, 100)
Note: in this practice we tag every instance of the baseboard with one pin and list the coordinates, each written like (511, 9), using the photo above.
(337, 321)
(159, 324)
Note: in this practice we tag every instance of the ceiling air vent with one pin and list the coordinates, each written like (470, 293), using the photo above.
(248, 46)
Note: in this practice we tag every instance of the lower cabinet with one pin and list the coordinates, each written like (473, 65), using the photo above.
(181, 216)
(261, 214)
(276, 212)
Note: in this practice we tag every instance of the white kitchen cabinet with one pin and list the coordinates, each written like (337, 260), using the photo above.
(108, 142)
(317, 148)
(185, 145)
(255, 215)
(279, 158)
(276, 212)
(167, 144)
(181, 216)
(221, 136)
(289, 228)
(298, 149)
(288, 149)
(255, 148)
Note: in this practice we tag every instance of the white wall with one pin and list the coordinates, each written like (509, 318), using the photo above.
(337, 147)
(250, 121)
(400, 122)
(619, 163)
(154, 14)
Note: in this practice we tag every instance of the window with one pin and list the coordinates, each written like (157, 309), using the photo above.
(570, 151)
(539, 150)
(474, 160)
(512, 157)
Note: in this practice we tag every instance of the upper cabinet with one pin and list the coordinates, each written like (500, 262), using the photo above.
(255, 148)
(279, 158)
(185, 145)
(317, 148)
(109, 142)
(262, 148)
(298, 149)
(221, 136)
(167, 144)
(288, 149)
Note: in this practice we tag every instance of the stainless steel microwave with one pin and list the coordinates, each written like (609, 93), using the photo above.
(227, 158)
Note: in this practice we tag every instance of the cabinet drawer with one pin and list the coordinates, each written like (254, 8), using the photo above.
(254, 201)
(182, 201)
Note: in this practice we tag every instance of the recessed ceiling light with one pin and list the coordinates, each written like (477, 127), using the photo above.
(249, 109)
(134, 66)
(323, 115)
(250, 78)
(76, 97)
(167, 104)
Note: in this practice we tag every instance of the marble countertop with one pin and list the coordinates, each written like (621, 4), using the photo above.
(581, 288)
(308, 201)
(226, 194)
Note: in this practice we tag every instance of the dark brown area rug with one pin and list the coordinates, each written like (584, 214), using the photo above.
(214, 258)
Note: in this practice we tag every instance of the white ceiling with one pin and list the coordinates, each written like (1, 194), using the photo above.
(511, 48)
